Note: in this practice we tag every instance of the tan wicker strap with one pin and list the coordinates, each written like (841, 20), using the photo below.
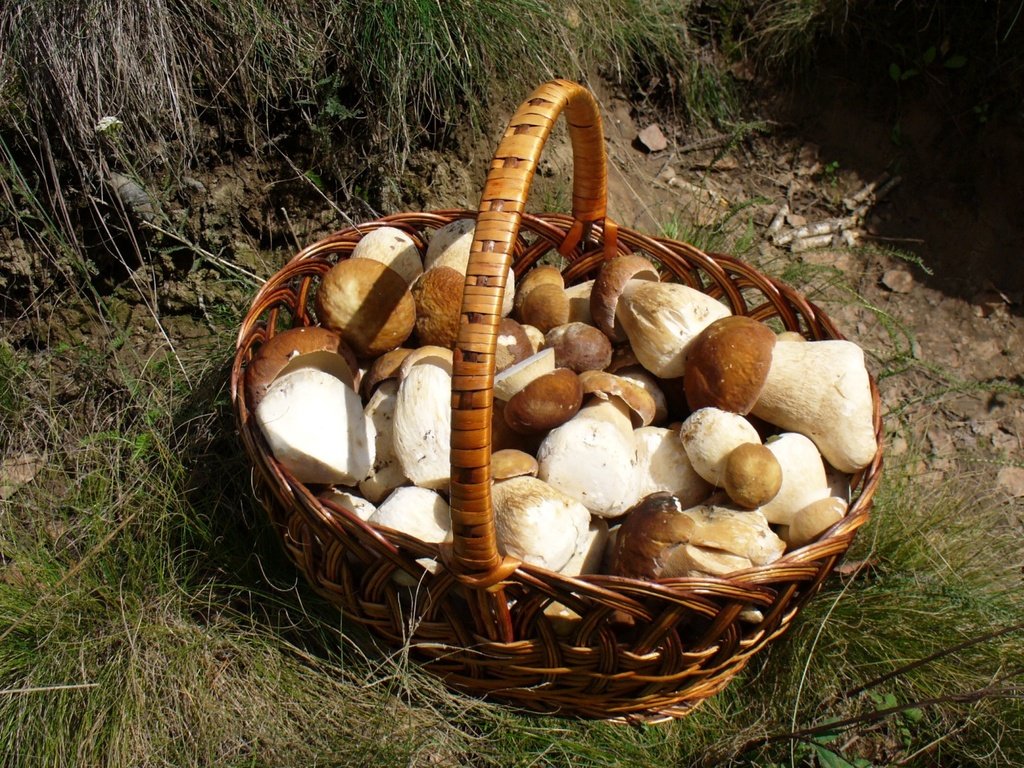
(501, 207)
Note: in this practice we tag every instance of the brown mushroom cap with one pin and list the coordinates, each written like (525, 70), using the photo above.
(579, 346)
(608, 287)
(727, 364)
(383, 368)
(509, 462)
(301, 347)
(438, 295)
(543, 274)
(607, 385)
(513, 344)
(649, 528)
(545, 403)
(752, 475)
(368, 303)
(545, 307)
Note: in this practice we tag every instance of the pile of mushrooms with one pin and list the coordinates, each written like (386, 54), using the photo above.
(640, 428)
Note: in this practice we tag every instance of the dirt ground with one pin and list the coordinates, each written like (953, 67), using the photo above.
(946, 335)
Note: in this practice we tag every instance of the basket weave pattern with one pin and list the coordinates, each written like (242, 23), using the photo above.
(640, 650)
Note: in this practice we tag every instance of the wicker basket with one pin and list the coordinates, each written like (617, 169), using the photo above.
(640, 650)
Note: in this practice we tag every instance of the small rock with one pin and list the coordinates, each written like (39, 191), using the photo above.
(898, 280)
(652, 139)
(1011, 481)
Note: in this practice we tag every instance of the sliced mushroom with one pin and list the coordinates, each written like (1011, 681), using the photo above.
(356, 504)
(822, 389)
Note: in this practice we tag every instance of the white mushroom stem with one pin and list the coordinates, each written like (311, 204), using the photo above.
(589, 550)
(814, 519)
(315, 427)
(386, 473)
(803, 477)
(592, 458)
(537, 523)
(579, 302)
(661, 319)
(422, 425)
(821, 389)
(709, 435)
(393, 248)
(359, 506)
(418, 512)
(662, 465)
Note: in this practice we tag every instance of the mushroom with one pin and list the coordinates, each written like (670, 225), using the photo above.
(656, 527)
(535, 335)
(382, 369)
(661, 319)
(579, 346)
(438, 295)
(509, 462)
(695, 560)
(545, 403)
(650, 384)
(300, 347)
(315, 427)
(639, 401)
(422, 420)
(813, 520)
(822, 389)
(662, 465)
(417, 512)
(709, 435)
(545, 307)
(386, 473)
(357, 505)
(579, 302)
(611, 281)
(450, 246)
(727, 364)
(393, 248)
(752, 476)
(368, 303)
(515, 377)
(513, 344)
(537, 523)
(589, 552)
(803, 477)
(543, 274)
(591, 457)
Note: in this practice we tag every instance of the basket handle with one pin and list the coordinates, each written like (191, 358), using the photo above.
(474, 546)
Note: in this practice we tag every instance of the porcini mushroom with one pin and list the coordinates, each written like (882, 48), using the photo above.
(592, 457)
(813, 520)
(386, 472)
(657, 526)
(545, 403)
(315, 427)
(393, 248)
(299, 347)
(368, 303)
(450, 246)
(752, 476)
(661, 319)
(662, 465)
(537, 523)
(422, 420)
(611, 281)
(579, 346)
(418, 512)
(727, 364)
(438, 295)
(803, 477)
(821, 389)
(709, 435)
